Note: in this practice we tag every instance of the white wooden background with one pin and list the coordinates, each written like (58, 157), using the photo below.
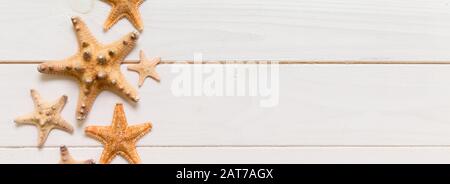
(374, 113)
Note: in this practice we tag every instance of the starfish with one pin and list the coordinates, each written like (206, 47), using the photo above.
(124, 8)
(46, 117)
(96, 67)
(119, 138)
(146, 68)
(66, 158)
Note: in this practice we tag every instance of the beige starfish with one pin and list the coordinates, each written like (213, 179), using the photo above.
(119, 138)
(66, 158)
(46, 117)
(124, 8)
(96, 67)
(146, 68)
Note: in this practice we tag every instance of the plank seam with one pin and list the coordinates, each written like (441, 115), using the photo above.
(251, 146)
(283, 62)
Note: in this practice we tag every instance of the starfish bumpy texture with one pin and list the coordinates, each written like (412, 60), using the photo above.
(46, 117)
(146, 68)
(66, 158)
(96, 67)
(124, 8)
(119, 138)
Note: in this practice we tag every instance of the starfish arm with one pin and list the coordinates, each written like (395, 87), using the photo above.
(137, 68)
(111, 2)
(64, 67)
(119, 121)
(66, 158)
(124, 88)
(135, 132)
(36, 98)
(73, 161)
(60, 103)
(142, 56)
(64, 151)
(155, 76)
(135, 18)
(101, 133)
(84, 36)
(130, 154)
(90, 161)
(134, 67)
(114, 16)
(139, 2)
(141, 80)
(26, 119)
(86, 99)
(62, 124)
(123, 46)
(107, 155)
(65, 155)
(43, 135)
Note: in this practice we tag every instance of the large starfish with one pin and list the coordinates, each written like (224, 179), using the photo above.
(66, 158)
(119, 138)
(124, 8)
(146, 68)
(46, 117)
(96, 67)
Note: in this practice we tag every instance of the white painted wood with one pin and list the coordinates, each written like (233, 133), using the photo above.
(326, 113)
(318, 105)
(241, 29)
(230, 155)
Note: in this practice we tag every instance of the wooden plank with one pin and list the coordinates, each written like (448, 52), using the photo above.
(318, 105)
(263, 155)
(374, 30)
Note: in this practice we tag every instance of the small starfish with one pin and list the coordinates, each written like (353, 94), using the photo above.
(95, 66)
(119, 138)
(66, 158)
(46, 117)
(124, 8)
(146, 68)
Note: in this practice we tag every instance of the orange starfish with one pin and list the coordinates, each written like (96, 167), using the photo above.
(124, 8)
(46, 117)
(119, 138)
(96, 67)
(146, 68)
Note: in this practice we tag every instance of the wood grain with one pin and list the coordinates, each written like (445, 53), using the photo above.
(341, 105)
(262, 155)
(311, 30)
(284, 62)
